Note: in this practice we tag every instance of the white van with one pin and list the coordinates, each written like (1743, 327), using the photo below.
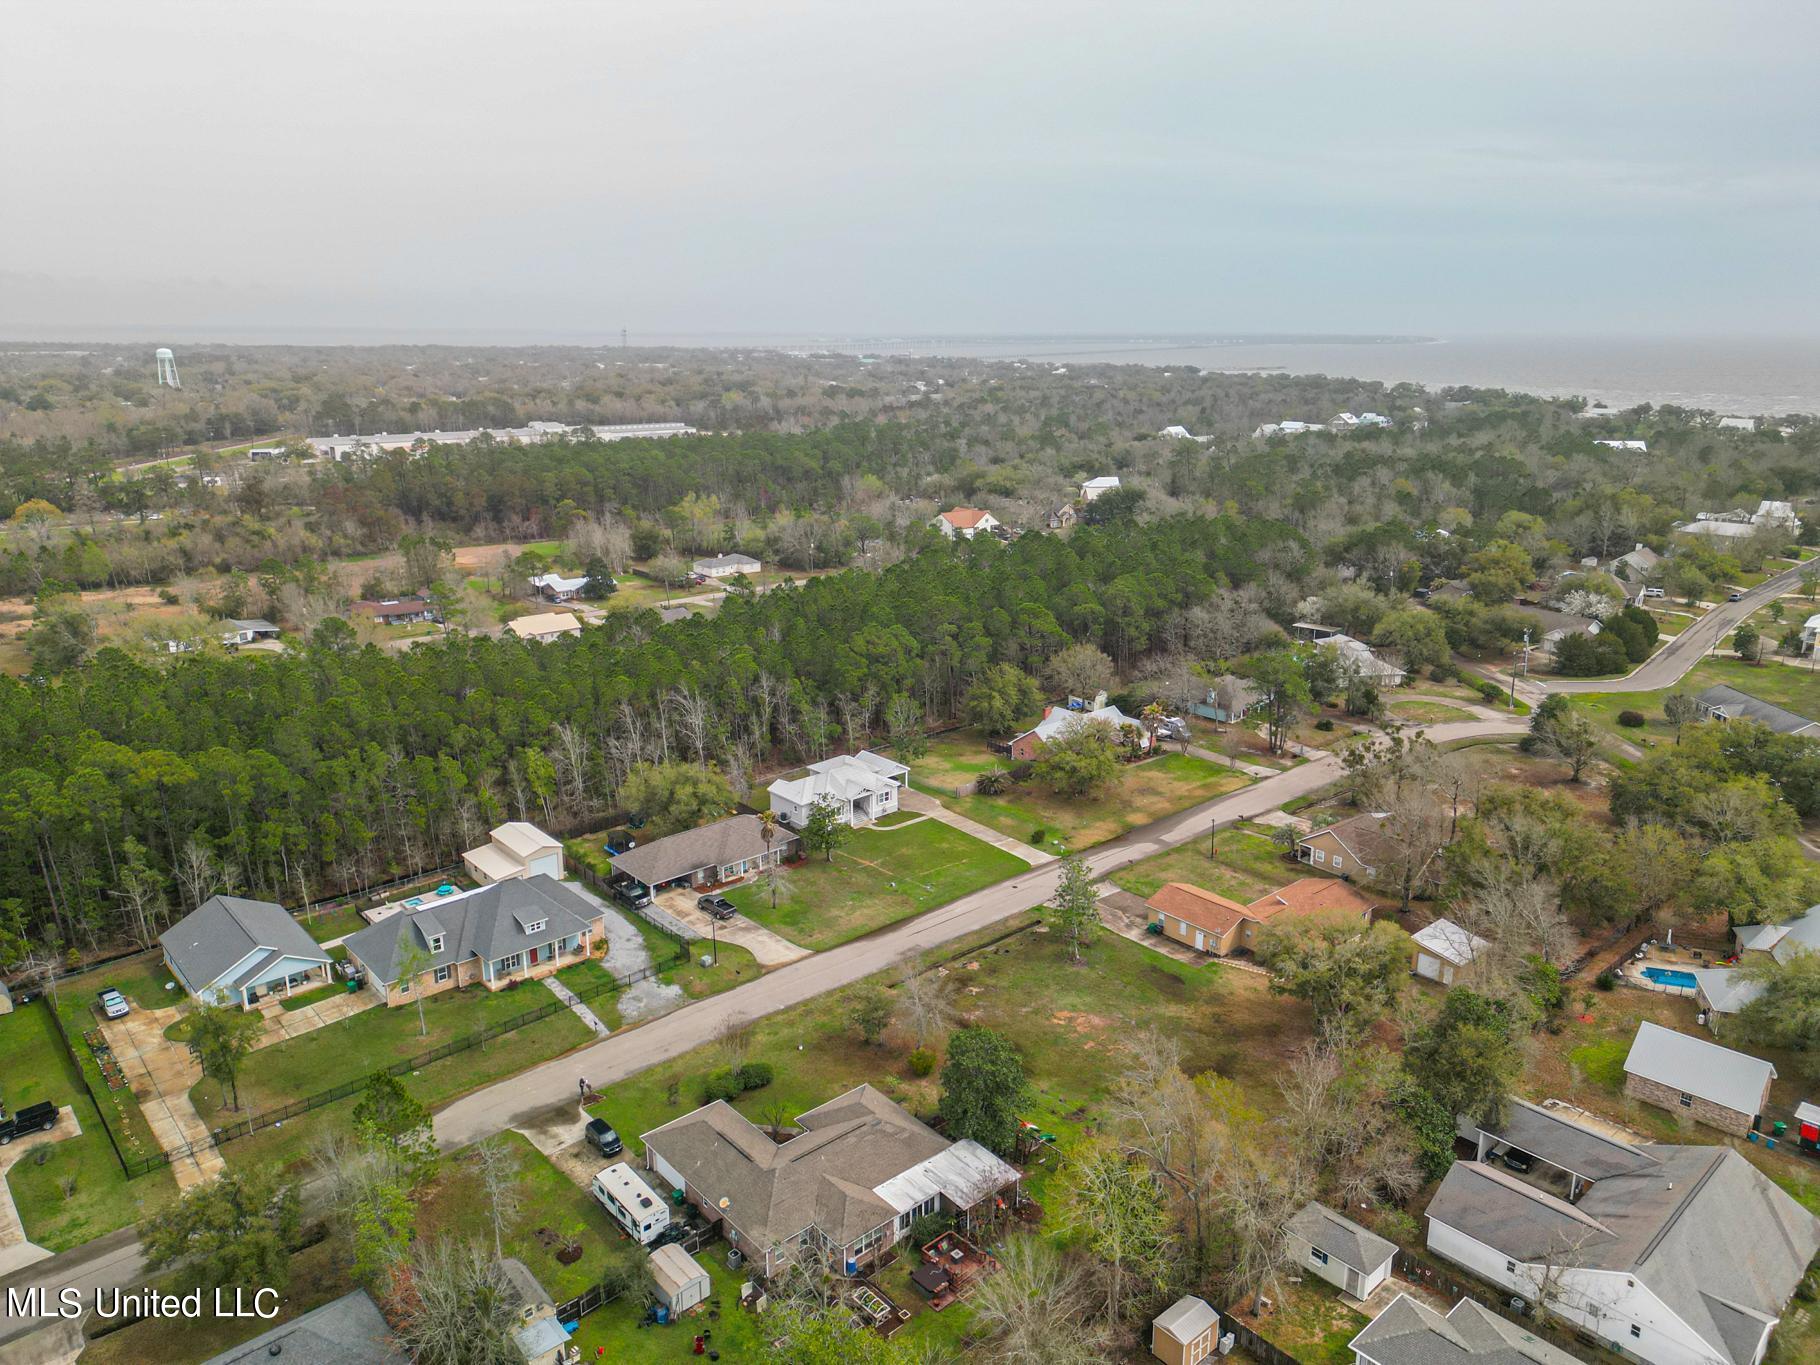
(635, 1206)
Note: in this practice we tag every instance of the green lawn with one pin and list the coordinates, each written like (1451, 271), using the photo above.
(1797, 689)
(738, 1334)
(374, 1039)
(34, 1067)
(327, 924)
(550, 1203)
(596, 987)
(1249, 864)
(879, 878)
(1311, 1323)
(953, 760)
(142, 979)
(1143, 792)
(1424, 711)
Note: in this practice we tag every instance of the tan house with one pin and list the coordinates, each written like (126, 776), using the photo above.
(1353, 847)
(518, 930)
(540, 1338)
(545, 625)
(1185, 1333)
(515, 849)
(1210, 923)
(709, 855)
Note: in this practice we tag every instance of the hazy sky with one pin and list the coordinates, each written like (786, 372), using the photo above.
(540, 167)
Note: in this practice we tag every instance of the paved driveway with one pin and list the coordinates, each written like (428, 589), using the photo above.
(15, 1251)
(160, 1073)
(771, 949)
(505, 1104)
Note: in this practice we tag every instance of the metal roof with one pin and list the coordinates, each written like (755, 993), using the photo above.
(1186, 1318)
(1732, 1080)
(1447, 940)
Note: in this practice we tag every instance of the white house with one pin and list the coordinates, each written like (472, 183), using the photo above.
(863, 786)
(1373, 419)
(1093, 488)
(554, 587)
(245, 632)
(515, 849)
(726, 566)
(1353, 1259)
(1686, 1256)
(1358, 661)
(965, 522)
(1444, 950)
(1642, 447)
(1059, 720)
(1810, 633)
(535, 433)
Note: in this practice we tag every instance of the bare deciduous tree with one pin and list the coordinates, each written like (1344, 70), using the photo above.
(925, 1004)
(1038, 1307)
(497, 1166)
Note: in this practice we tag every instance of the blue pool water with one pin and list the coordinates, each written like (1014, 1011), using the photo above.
(1668, 976)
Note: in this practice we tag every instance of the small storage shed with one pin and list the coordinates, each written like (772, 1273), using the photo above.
(1445, 952)
(1807, 1125)
(1353, 1259)
(1185, 1333)
(681, 1283)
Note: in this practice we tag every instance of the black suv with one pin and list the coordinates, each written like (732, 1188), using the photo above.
(716, 907)
(34, 1118)
(1519, 1160)
(601, 1137)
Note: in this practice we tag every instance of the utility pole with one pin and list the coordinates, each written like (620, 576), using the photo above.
(622, 338)
(1513, 671)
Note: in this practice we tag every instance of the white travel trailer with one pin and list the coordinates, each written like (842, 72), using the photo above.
(635, 1206)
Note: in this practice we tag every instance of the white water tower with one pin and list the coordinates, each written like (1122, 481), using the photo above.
(167, 369)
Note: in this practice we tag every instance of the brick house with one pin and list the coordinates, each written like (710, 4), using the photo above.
(1678, 1072)
(1210, 923)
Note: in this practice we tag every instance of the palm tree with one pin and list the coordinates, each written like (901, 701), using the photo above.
(767, 826)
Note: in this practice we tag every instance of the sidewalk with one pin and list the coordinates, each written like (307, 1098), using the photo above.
(581, 1011)
(911, 799)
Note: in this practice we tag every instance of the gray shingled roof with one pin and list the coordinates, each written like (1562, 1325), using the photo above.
(1561, 1142)
(1698, 1067)
(825, 1176)
(347, 1331)
(221, 932)
(1708, 1233)
(1411, 1333)
(1341, 1238)
(720, 844)
(1738, 705)
(488, 924)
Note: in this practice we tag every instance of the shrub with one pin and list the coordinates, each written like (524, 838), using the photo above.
(993, 783)
(1632, 720)
(1037, 836)
(754, 1076)
(930, 1226)
(1021, 770)
(922, 1061)
(1605, 981)
(1324, 723)
(169, 598)
(1488, 689)
(1443, 673)
(720, 1085)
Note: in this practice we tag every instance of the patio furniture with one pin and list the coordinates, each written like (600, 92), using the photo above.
(931, 1279)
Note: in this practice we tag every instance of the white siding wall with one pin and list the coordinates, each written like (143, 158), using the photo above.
(1603, 1302)
(549, 863)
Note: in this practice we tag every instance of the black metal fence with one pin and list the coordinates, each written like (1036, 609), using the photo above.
(266, 1118)
(101, 1110)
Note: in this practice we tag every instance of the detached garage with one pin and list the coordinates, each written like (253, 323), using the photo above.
(681, 1282)
(1445, 952)
(1353, 1259)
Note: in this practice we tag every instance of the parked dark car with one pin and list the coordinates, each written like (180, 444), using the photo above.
(34, 1118)
(601, 1137)
(630, 891)
(716, 907)
(1519, 1160)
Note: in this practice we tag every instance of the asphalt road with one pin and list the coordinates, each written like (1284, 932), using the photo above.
(1668, 665)
(513, 1101)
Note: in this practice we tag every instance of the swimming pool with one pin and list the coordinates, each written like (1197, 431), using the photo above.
(1668, 976)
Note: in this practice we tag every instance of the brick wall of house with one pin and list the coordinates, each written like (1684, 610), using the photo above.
(1702, 1110)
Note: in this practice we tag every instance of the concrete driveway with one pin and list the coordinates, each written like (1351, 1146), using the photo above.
(507, 1103)
(771, 949)
(15, 1251)
(160, 1073)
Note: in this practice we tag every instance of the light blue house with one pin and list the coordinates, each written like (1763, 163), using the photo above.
(232, 950)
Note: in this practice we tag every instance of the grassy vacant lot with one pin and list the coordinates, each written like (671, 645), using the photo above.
(142, 979)
(375, 1039)
(880, 877)
(549, 1203)
(34, 1067)
(953, 760)
(1249, 864)
(330, 924)
(1143, 792)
